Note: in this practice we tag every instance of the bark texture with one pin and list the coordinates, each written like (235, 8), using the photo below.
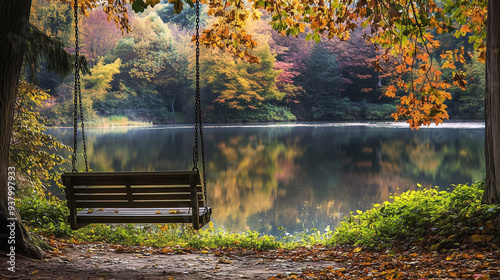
(13, 37)
(492, 106)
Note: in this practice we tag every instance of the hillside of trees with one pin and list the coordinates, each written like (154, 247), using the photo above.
(148, 74)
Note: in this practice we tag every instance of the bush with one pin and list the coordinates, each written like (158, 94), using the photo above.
(427, 217)
(45, 215)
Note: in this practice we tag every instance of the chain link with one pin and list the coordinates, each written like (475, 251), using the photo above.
(75, 104)
(77, 99)
(198, 123)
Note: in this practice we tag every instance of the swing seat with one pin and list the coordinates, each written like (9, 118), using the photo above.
(135, 197)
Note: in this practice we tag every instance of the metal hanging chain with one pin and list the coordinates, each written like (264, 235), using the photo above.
(197, 92)
(77, 99)
(198, 123)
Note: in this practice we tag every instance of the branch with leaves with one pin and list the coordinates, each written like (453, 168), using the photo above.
(405, 29)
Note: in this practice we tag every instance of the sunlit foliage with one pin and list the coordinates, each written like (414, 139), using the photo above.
(406, 32)
(35, 154)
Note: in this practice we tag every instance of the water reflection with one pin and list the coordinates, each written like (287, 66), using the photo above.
(297, 176)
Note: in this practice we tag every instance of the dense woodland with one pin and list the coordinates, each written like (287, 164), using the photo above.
(148, 74)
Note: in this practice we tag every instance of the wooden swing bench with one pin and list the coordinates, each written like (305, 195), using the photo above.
(136, 197)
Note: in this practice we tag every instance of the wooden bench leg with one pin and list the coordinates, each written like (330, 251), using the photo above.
(70, 198)
(194, 202)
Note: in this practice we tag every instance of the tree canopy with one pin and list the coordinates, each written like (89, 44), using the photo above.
(405, 30)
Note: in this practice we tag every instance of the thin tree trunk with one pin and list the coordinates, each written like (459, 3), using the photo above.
(13, 38)
(173, 101)
(492, 106)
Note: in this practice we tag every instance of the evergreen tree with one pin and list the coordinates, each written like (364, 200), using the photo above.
(321, 81)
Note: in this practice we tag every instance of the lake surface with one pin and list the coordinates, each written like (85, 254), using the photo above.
(297, 176)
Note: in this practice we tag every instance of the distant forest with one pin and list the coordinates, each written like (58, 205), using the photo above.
(148, 75)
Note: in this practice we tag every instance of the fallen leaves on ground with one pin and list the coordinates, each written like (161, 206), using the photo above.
(366, 264)
(343, 263)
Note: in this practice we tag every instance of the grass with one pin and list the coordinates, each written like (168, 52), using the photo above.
(114, 121)
(429, 218)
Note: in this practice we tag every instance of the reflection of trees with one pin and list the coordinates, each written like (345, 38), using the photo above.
(248, 169)
(264, 178)
(458, 156)
(137, 149)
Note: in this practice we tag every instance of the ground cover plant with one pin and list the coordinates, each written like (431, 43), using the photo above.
(430, 218)
(423, 234)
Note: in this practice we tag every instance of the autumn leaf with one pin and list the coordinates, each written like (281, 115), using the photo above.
(224, 260)
(478, 238)
(120, 249)
(177, 5)
(391, 91)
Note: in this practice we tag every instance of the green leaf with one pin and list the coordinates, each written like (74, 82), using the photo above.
(138, 6)
(317, 38)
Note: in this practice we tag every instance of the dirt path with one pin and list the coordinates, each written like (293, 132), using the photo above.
(105, 262)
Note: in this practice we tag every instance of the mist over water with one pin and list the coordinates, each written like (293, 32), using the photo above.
(299, 175)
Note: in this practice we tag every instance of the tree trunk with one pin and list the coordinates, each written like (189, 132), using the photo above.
(173, 101)
(13, 38)
(492, 106)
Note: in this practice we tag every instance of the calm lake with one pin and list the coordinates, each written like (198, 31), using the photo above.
(297, 176)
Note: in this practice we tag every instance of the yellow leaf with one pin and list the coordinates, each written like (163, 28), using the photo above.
(288, 21)
(478, 238)
(435, 247)
(357, 250)
(224, 261)
(152, 3)
(89, 211)
(302, 27)
(158, 212)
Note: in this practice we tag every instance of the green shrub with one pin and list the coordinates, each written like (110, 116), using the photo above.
(426, 217)
(44, 215)
(224, 238)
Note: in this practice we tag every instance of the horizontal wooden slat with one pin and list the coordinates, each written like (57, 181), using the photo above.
(133, 178)
(130, 192)
(137, 215)
(123, 189)
(136, 197)
(139, 211)
(125, 204)
(173, 196)
(80, 197)
(97, 189)
(135, 189)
